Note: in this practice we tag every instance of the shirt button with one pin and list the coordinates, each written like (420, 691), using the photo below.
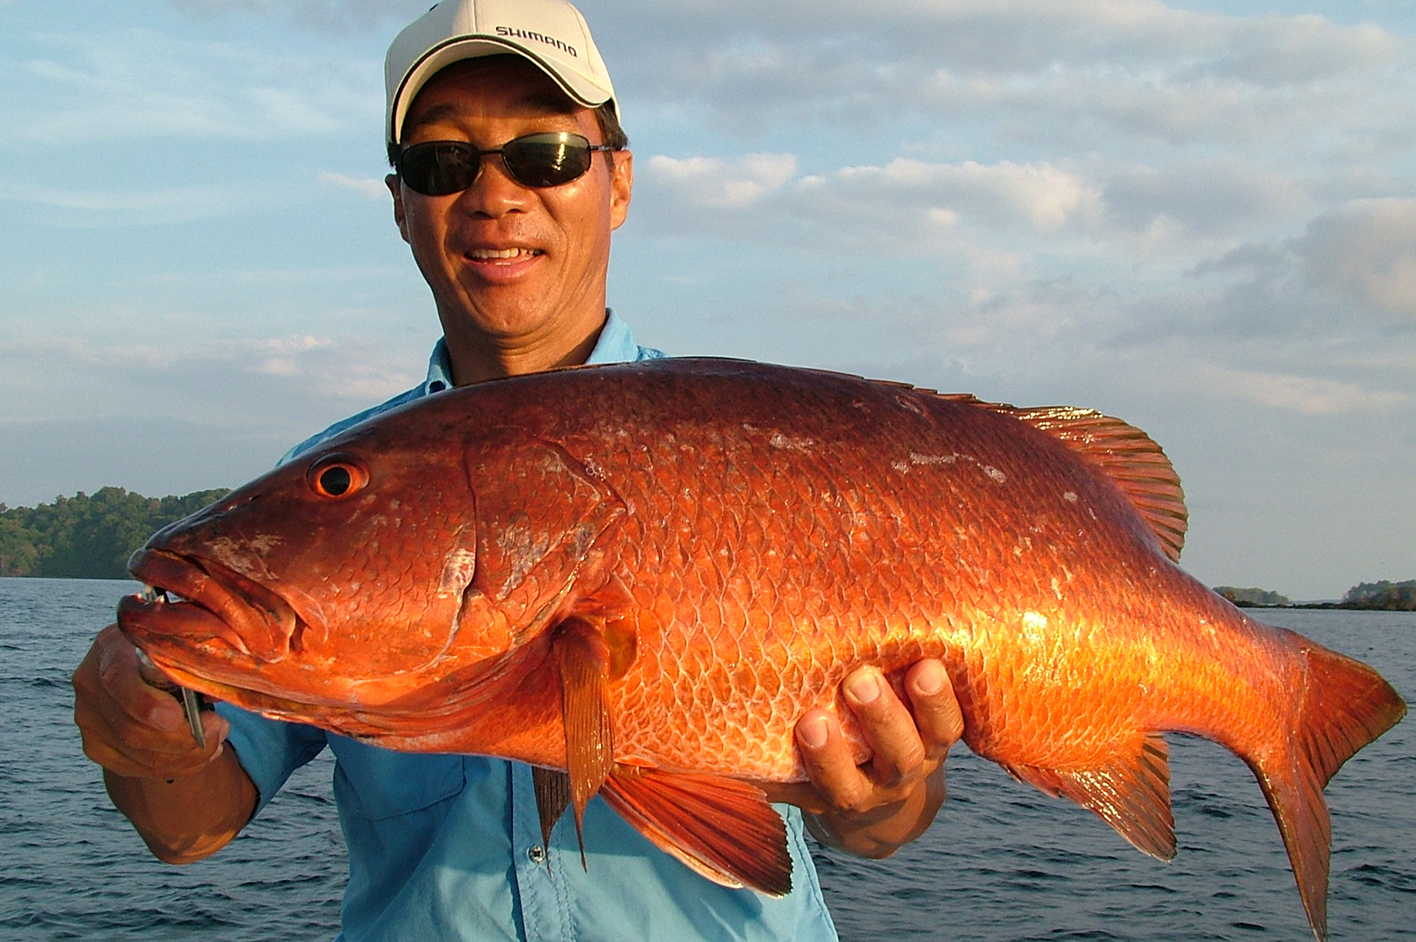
(536, 854)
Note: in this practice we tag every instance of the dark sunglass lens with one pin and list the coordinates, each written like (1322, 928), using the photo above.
(439, 167)
(547, 159)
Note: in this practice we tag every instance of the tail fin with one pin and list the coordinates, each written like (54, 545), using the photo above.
(1344, 706)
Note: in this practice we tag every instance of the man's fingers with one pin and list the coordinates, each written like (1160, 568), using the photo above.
(907, 743)
(873, 809)
(118, 688)
(145, 704)
(135, 751)
(899, 751)
(130, 727)
(935, 707)
(138, 752)
(830, 765)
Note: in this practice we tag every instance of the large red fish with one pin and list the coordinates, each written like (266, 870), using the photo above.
(645, 574)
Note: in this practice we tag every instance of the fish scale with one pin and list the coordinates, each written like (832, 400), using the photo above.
(638, 578)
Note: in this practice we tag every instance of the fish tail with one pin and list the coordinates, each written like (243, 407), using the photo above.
(1344, 706)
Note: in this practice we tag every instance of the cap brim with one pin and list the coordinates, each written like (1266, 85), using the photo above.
(577, 88)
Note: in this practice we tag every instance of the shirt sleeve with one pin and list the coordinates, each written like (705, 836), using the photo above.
(269, 750)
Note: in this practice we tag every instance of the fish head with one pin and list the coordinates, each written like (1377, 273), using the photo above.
(371, 572)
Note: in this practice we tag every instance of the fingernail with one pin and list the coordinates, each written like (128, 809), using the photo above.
(929, 680)
(812, 732)
(864, 686)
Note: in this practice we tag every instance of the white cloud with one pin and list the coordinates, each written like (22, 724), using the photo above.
(368, 186)
(1350, 272)
(1134, 66)
(1365, 250)
(178, 414)
(906, 201)
(1203, 199)
(1043, 195)
(329, 16)
(1140, 66)
(99, 209)
(293, 377)
(1305, 394)
(150, 453)
(143, 85)
(713, 183)
(1282, 50)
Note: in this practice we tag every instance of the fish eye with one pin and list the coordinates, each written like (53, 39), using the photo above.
(337, 477)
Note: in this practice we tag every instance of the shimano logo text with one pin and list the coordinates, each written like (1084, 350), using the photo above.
(513, 33)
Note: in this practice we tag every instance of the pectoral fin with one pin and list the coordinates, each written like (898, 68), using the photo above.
(552, 795)
(583, 656)
(720, 828)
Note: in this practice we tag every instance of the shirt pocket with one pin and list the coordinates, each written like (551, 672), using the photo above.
(376, 784)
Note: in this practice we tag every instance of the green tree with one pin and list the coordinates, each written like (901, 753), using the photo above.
(88, 537)
(18, 552)
(1386, 595)
(1251, 596)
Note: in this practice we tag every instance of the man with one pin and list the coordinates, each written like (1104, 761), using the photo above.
(510, 175)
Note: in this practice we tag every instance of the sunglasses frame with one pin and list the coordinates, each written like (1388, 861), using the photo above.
(514, 167)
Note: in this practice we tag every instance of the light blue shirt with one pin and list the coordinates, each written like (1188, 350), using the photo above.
(448, 847)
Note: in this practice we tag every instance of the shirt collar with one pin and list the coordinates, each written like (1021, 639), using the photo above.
(615, 345)
(439, 369)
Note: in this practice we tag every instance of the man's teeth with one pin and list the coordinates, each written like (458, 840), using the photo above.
(502, 253)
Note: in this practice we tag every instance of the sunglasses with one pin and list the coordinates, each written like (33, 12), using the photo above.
(553, 158)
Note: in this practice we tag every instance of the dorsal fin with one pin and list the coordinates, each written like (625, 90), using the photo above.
(1128, 456)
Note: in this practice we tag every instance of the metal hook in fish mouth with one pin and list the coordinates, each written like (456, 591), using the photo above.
(152, 675)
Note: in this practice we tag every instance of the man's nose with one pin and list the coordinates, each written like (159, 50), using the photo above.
(493, 192)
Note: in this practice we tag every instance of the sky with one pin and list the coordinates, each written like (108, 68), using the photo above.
(1199, 217)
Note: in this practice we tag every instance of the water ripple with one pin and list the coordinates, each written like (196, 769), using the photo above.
(1003, 863)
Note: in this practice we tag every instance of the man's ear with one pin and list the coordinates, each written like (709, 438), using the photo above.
(399, 215)
(621, 188)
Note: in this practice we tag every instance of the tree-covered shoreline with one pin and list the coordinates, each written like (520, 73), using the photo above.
(1380, 596)
(88, 537)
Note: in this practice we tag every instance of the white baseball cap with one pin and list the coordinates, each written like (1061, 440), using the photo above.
(550, 33)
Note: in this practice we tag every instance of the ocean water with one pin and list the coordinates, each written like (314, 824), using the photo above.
(1002, 863)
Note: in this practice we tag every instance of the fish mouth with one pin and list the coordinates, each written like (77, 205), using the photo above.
(199, 600)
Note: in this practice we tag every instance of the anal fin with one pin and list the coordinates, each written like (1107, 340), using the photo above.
(721, 828)
(1132, 793)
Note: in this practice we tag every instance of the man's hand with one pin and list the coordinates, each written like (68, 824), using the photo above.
(184, 800)
(873, 809)
(131, 728)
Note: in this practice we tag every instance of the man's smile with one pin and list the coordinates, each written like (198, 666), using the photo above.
(502, 255)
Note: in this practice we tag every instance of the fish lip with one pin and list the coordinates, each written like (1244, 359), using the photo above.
(273, 703)
(252, 619)
(250, 698)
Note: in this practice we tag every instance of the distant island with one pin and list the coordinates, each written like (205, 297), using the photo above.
(88, 537)
(91, 537)
(1251, 597)
(1374, 596)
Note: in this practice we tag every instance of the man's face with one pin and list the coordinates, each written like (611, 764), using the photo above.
(512, 268)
